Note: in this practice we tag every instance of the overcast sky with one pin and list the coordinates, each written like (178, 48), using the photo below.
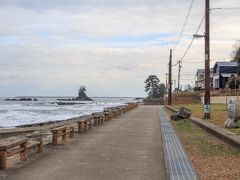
(51, 47)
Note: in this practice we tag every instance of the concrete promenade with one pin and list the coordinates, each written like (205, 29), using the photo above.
(129, 147)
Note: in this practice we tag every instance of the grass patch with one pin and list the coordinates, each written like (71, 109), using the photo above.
(197, 140)
(218, 114)
(211, 157)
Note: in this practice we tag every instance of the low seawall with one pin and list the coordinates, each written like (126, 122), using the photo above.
(5, 133)
(183, 100)
(154, 101)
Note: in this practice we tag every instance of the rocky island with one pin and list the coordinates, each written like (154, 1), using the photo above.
(21, 99)
(82, 96)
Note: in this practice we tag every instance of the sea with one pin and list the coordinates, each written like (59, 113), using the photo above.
(46, 109)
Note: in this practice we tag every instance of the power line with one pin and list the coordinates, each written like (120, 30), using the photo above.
(191, 42)
(215, 59)
(206, 16)
(184, 24)
(192, 62)
(189, 46)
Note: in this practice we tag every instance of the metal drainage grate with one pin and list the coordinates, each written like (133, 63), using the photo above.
(178, 166)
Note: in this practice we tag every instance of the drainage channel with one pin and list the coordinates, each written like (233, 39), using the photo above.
(177, 163)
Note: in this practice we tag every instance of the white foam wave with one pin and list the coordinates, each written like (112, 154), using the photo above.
(22, 113)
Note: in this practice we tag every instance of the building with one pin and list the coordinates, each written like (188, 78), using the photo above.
(222, 71)
(200, 78)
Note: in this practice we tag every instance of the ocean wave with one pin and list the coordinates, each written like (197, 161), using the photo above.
(17, 114)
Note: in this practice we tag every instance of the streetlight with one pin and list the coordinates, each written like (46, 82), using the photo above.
(197, 36)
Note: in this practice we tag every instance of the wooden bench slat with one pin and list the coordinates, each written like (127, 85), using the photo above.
(14, 151)
(59, 128)
(33, 144)
(11, 144)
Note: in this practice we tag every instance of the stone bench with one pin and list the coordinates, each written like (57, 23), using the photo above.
(107, 116)
(119, 110)
(98, 118)
(133, 105)
(84, 125)
(109, 113)
(124, 109)
(17, 146)
(113, 111)
(62, 132)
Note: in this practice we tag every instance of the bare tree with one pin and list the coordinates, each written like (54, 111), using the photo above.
(236, 51)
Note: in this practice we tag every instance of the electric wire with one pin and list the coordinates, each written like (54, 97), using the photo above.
(184, 25)
(190, 45)
(191, 42)
(215, 59)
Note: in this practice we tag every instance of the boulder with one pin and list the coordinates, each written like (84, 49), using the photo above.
(83, 98)
(183, 113)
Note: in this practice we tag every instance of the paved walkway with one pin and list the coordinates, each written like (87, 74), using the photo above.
(127, 148)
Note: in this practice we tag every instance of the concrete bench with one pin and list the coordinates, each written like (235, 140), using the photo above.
(17, 146)
(132, 105)
(62, 132)
(119, 110)
(98, 118)
(116, 112)
(84, 125)
(124, 109)
(113, 112)
(36, 143)
(107, 116)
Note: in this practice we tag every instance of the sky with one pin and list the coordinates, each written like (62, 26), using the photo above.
(51, 47)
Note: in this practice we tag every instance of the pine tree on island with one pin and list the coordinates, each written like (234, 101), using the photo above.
(82, 96)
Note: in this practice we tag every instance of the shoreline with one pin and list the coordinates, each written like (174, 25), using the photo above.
(30, 128)
(25, 114)
(44, 126)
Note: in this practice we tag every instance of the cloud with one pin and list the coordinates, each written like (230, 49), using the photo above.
(46, 4)
(106, 45)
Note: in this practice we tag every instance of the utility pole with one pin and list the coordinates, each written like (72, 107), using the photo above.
(166, 82)
(179, 70)
(207, 107)
(170, 79)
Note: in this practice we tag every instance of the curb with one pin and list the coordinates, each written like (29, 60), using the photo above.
(219, 132)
